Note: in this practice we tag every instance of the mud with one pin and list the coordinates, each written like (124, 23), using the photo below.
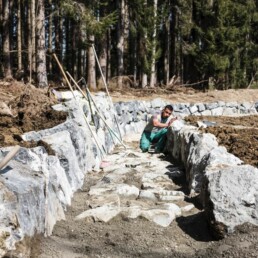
(29, 110)
(238, 134)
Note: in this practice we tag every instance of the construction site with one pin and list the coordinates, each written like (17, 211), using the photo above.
(74, 182)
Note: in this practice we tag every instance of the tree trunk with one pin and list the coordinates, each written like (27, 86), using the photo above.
(75, 49)
(153, 76)
(50, 37)
(41, 53)
(6, 41)
(33, 35)
(135, 61)
(29, 41)
(79, 56)
(68, 43)
(103, 59)
(58, 39)
(167, 49)
(19, 36)
(173, 27)
(120, 43)
(144, 79)
(91, 66)
(1, 33)
(109, 44)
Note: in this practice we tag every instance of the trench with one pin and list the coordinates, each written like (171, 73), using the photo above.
(136, 206)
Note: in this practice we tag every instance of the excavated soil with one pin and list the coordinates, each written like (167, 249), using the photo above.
(24, 108)
(238, 134)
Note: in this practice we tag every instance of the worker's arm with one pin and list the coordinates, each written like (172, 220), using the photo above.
(156, 123)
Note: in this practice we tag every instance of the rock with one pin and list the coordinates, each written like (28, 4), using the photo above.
(211, 105)
(229, 111)
(193, 109)
(201, 107)
(122, 190)
(104, 213)
(108, 200)
(149, 195)
(217, 111)
(157, 103)
(5, 110)
(172, 207)
(206, 113)
(256, 106)
(221, 103)
(159, 216)
(187, 208)
(232, 104)
(246, 105)
(199, 146)
(231, 196)
(118, 108)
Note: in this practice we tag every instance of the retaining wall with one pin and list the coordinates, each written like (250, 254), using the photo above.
(36, 187)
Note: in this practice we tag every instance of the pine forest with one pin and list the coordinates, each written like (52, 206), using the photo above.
(211, 44)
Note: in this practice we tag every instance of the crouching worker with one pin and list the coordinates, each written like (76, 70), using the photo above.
(155, 132)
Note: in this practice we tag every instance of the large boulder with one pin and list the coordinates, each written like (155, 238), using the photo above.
(231, 197)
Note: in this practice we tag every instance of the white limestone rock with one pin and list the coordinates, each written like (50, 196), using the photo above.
(232, 191)
(217, 111)
(187, 208)
(123, 190)
(159, 216)
(104, 213)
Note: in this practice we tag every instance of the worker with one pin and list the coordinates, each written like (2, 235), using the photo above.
(155, 132)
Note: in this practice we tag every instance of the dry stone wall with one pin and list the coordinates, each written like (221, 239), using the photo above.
(36, 187)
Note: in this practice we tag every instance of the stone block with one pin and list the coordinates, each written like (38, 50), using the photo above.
(157, 103)
(201, 107)
(231, 197)
(193, 109)
(217, 111)
(211, 105)
(229, 111)
(206, 112)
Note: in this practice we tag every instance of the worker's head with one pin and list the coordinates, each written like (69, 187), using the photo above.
(167, 111)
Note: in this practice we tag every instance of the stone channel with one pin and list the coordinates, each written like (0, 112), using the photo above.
(36, 187)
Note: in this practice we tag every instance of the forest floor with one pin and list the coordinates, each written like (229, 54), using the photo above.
(24, 108)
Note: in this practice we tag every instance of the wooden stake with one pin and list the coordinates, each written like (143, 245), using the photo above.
(78, 87)
(9, 156)
(62, 70)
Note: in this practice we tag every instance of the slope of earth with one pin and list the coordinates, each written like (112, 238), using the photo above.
(25, 108)
(122, 236)
(238, 134)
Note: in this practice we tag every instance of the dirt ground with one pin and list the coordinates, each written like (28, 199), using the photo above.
(23, 109)
(186, 95)
(238, 134)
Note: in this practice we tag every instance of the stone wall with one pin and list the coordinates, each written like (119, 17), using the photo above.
(37, 187)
